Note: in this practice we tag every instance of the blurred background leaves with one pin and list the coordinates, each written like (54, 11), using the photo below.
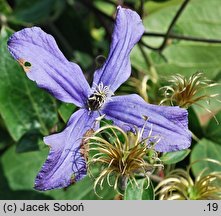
(82, 30)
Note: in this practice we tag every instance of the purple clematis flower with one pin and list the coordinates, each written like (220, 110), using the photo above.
(44, 63)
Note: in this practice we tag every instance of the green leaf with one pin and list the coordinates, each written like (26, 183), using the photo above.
(23, 106)
(199, 19)
(153, 6)
(174, 157)
(213, 130)
(141, 193)
(33, 11)
(6, 193)
(212, 104)
(5, 139)
(202, 19)
(194, 124)
(29, 141)
(187, 58)
(83, 59)
(202, 150)
(105, 7)
(4, 7)
(138, 60)
(77, 37)
(20, 169)
(83, 190)
(66, 110)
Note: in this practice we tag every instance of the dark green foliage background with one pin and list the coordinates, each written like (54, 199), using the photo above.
(82, 30)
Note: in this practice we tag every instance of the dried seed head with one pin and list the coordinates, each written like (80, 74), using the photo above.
(185, 92)
(179, 185)
(121, 156)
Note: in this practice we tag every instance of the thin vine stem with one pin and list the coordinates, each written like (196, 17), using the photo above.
(181, 37)
(173, 22)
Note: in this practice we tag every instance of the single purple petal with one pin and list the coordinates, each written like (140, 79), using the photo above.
(44, 63)
(65, 163)
(128, 30)
(170, 124)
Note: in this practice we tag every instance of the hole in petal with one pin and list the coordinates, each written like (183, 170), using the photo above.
(25, 64)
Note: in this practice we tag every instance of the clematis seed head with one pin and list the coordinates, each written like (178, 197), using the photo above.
(179, 185)
(121, 156)
(185, 92)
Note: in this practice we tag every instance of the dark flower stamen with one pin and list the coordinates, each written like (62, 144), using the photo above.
(95, 101)
(98, 98)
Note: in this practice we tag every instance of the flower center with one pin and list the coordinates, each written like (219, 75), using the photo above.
(97, 99)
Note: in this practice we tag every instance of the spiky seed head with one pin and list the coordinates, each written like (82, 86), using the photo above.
(122, 156)
(184, 92)
(179, 185)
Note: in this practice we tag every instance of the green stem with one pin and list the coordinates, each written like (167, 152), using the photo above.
(181, 37)
(173, 22)
(123, 183)
(195, 137)
(150, 65)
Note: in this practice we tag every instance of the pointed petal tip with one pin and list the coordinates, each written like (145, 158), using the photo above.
(40, 187)
(119, 7)
(50, 70)
(183, 142)
(128, 30)
(169, 124)
(43, 184)
(183, 139)
(133, 17)
(65, 163)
